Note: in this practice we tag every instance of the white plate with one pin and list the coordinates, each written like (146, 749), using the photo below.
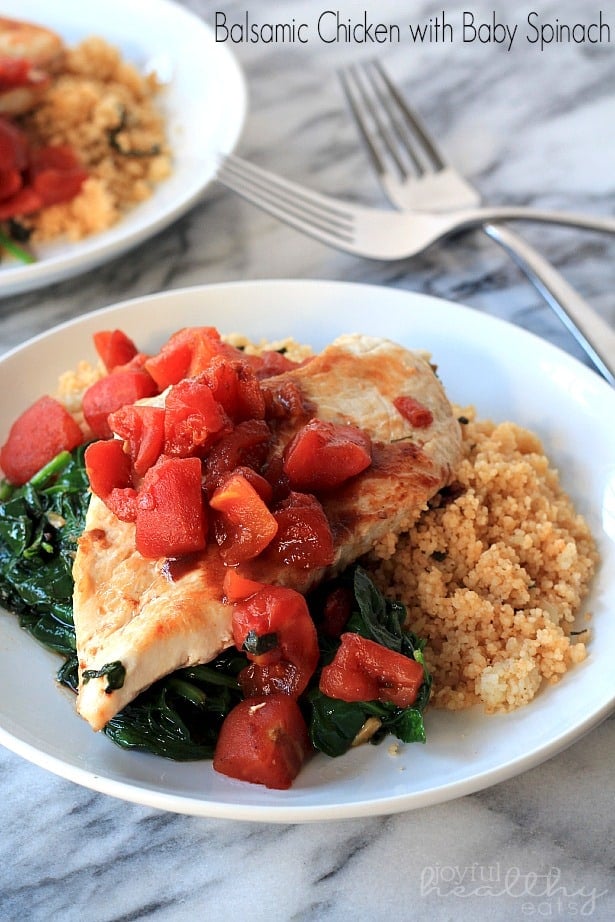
(204, 102)
(507, 374)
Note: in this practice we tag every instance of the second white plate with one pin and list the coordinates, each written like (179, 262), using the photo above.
(204, 102)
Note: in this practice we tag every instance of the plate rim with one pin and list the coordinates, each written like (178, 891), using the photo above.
(281, 813)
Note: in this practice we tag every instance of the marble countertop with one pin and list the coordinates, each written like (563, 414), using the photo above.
(528, 126)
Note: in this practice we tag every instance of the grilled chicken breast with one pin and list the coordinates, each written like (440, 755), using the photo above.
(155, 616)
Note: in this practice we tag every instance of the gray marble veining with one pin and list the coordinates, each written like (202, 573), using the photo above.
(527, 127)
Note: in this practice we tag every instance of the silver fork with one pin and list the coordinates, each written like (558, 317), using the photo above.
(374, 232)
(414, 175)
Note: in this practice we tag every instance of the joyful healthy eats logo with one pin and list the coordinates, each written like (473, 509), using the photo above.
(539, 895)
(502, 28)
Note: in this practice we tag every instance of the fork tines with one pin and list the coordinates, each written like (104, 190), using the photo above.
(390, 130)
(301, 207)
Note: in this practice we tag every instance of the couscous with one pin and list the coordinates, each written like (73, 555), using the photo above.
(494, 573)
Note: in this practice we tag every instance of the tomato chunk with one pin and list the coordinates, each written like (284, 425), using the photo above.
(14, 148)
(275, 629)
(108, 394)
(24, 202)
(237, 587)
(170, 510)
(417, 414)
(263, 740)
(114, 348)
(10, 183)
(109, 471)
(336, 611)
(193, 418)
(304, 537)
(185, 354)
(324, 455)
(363, 670)
(55, 186)
(142, 427)
(245, 446)
(36, 437)
(236, 387)
(246, 525)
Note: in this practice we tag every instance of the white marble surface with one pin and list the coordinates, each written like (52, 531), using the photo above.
(528, 127)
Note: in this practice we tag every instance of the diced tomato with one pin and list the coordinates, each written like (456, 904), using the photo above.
(324, 455)
(109, 471)
(236, 587)
(107, 466)
(52, 157)
(336, 611)
(262, 486)
(24, 202)
(247, 526)
(114, 348)
(275, 629)
(283, 399)
(274, 474)
(246, 446)
(14, 72)
(236, 387)
(14, 148)
(143, 428)
(194, 420)
(36, 437)
(10, 183)
(304, 537)
(185, 354)
(170, 510)
(108, 394)
(270, 363)
(417, 414)
(55, 186)
(263, 740)
(363, 670)
(55, 173)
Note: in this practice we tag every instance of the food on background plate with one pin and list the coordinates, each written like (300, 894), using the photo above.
(81, 138)
(234, 489)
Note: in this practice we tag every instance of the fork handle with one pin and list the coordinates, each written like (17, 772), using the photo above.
(593, 333)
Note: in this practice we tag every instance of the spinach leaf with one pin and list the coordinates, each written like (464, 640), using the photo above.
(39, 526)
(334, 724)
(179, 717)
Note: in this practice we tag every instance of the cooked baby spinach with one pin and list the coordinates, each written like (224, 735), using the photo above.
(39, 526)
(180, 716)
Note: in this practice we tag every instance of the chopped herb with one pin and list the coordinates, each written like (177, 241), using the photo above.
(115, 673)
(257, 644)
(18, 231)
(114, 142)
